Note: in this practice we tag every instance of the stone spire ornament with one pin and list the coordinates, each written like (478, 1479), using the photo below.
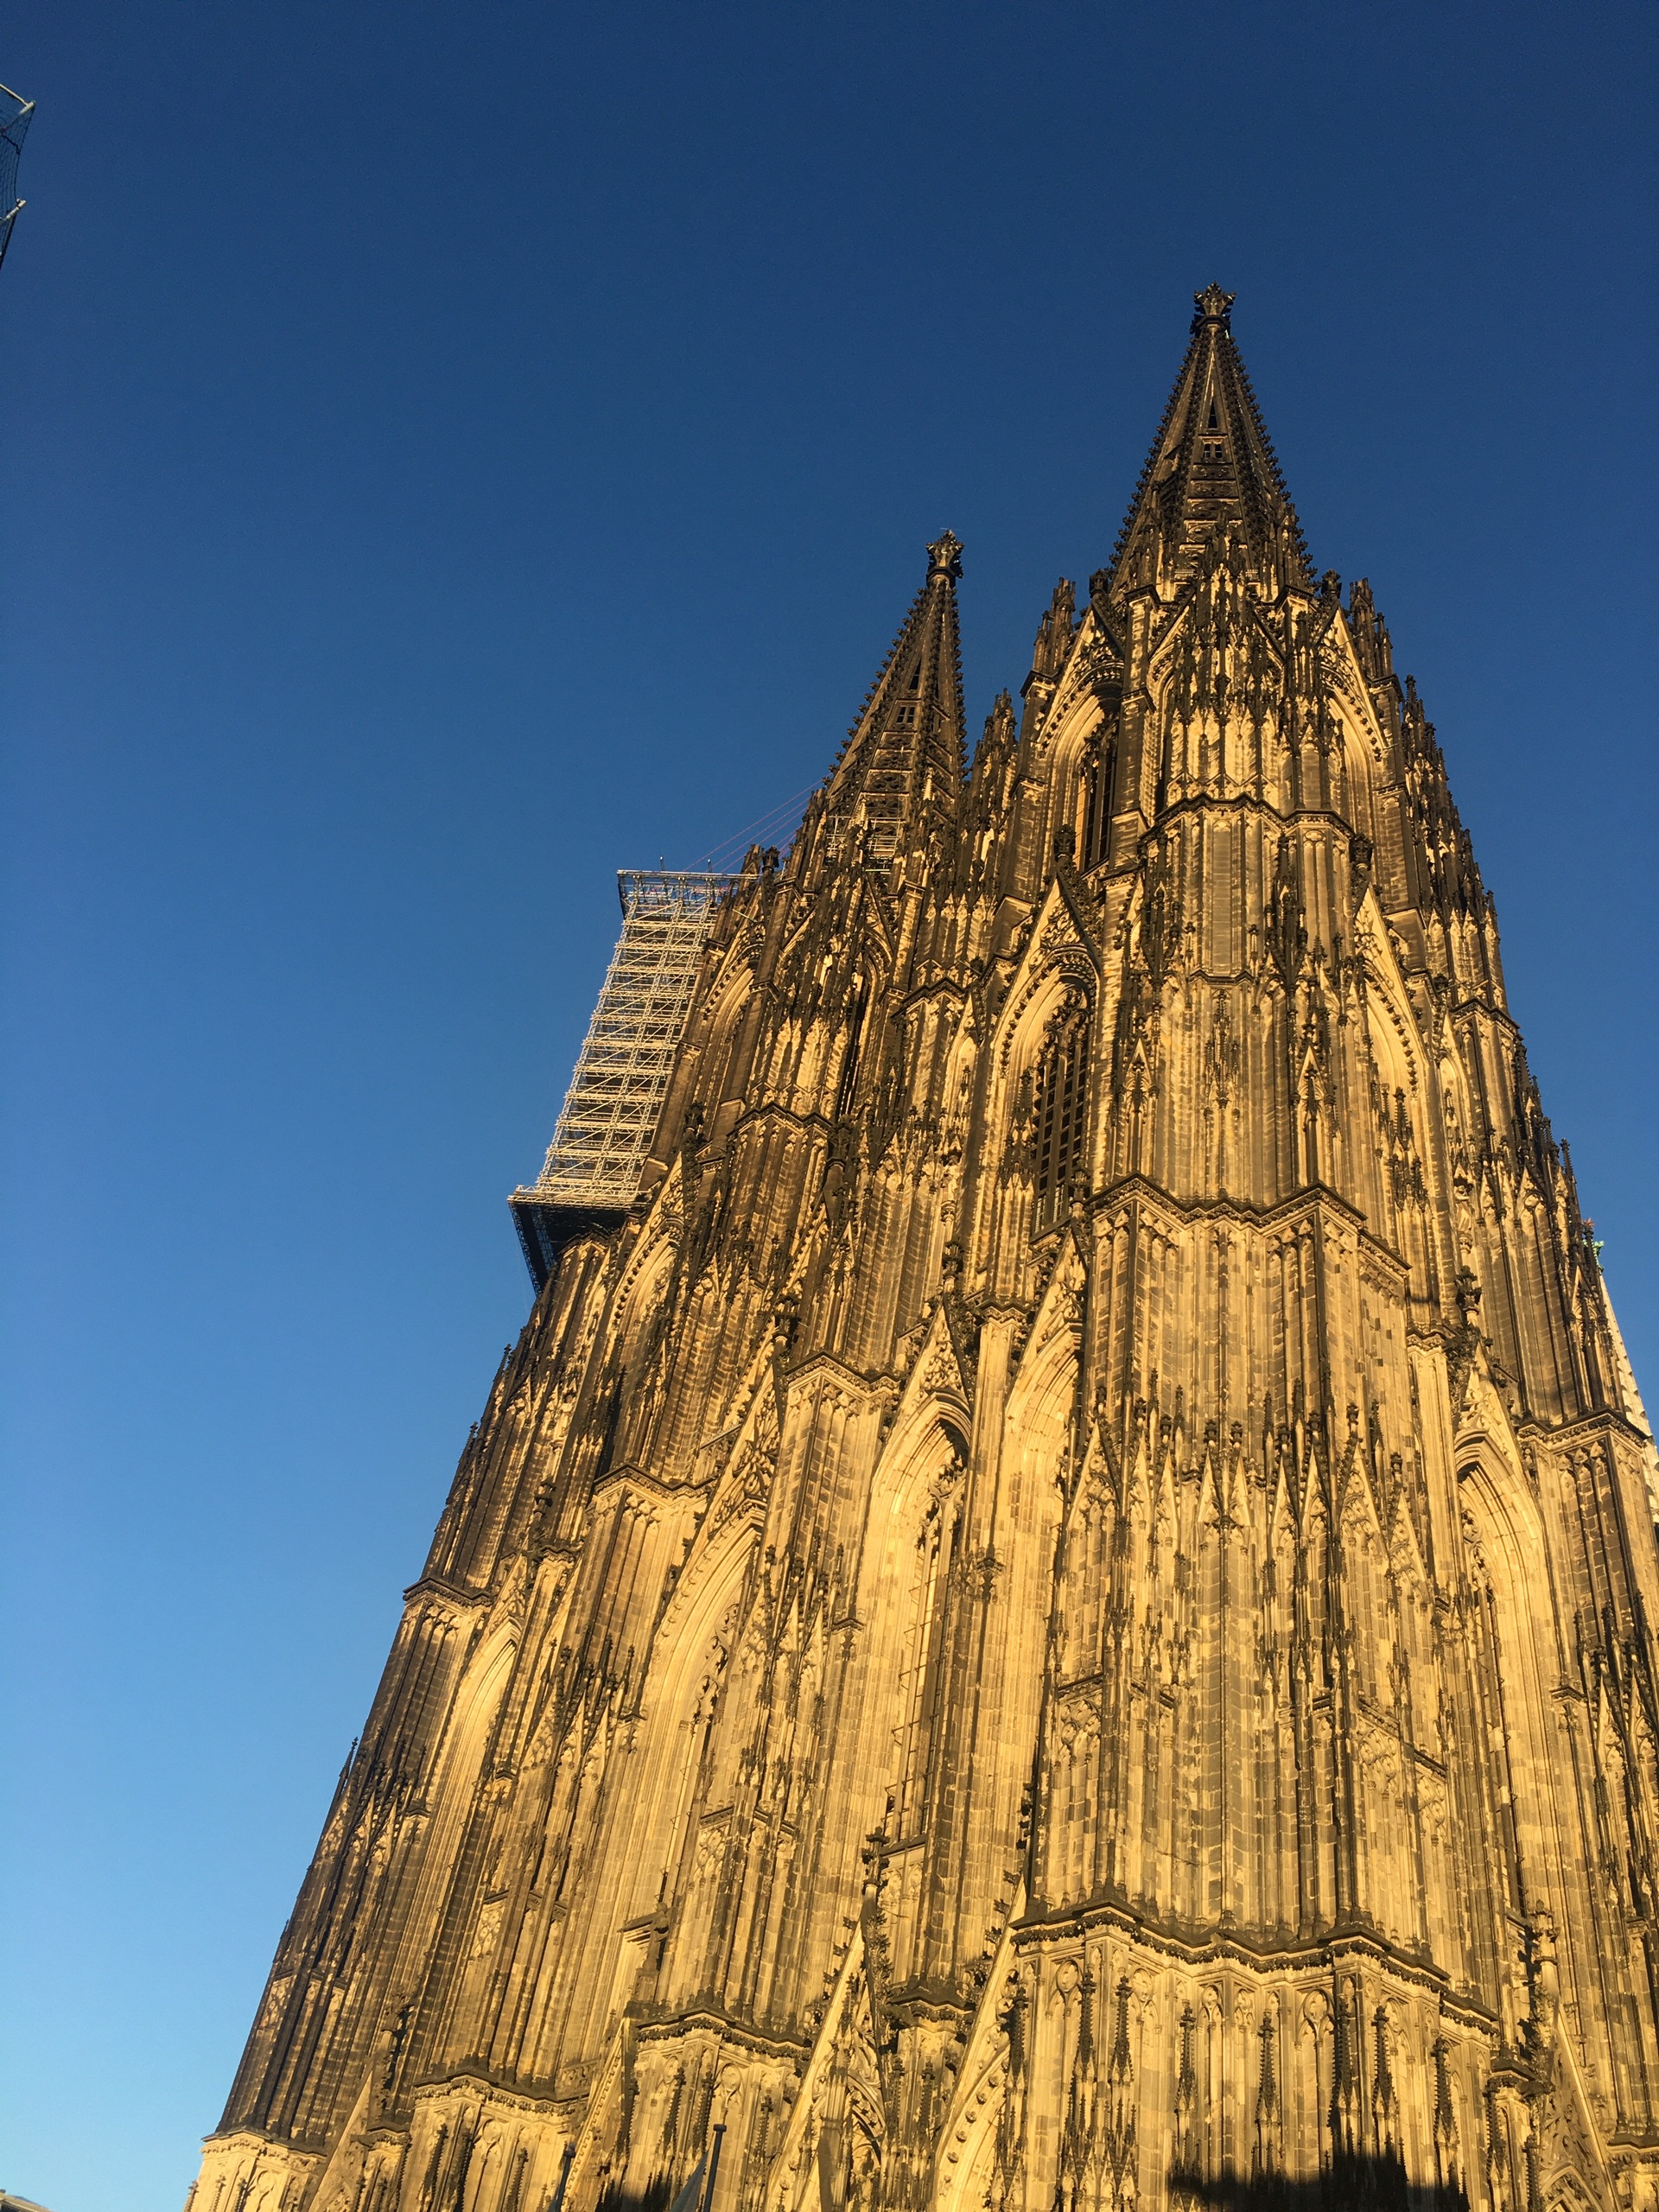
(1213, 305)
(944, 558)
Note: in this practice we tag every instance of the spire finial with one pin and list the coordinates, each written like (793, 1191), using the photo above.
(945, 557)
(1213, 304)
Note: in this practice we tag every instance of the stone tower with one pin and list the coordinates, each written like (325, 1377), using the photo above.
(1057, 1611)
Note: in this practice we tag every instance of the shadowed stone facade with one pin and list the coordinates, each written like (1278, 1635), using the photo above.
(1059, 1617)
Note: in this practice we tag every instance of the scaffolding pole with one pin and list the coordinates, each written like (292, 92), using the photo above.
(603, 1136)
(15, 114)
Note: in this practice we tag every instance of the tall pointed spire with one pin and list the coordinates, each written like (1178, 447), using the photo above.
(904, 755)
(1212, 468)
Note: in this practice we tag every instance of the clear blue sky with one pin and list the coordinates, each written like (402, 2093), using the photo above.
(453, 451)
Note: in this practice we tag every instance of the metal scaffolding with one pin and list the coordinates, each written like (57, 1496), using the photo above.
(15, 113)
(603, 1137)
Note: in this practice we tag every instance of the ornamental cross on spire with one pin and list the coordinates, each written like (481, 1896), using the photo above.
(1213, 304)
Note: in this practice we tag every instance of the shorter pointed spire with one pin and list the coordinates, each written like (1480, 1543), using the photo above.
(998, 737)
(1054, 635)
(1212, 472)
(904, 759)
(1370, 634)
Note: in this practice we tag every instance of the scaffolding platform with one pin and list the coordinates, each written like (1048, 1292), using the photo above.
(602, 1141)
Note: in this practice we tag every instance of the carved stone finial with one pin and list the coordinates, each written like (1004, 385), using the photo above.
(1544, 1987)
(944, 558)
(1213, 304)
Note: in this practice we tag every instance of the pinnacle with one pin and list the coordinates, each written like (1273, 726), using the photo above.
(1211, 474)
(904, 758)
(945, 557)
(1213, 305)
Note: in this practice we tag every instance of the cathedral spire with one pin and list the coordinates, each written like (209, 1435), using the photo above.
(904, 759)
(1212, 468)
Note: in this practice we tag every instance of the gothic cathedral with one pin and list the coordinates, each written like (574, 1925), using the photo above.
(1054, 1609)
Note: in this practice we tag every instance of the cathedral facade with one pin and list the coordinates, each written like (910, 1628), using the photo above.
(1056, 1612)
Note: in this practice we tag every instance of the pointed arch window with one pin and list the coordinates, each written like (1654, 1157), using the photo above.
(1099, 768)
(1058, 1105)
(921, 1679)
(847, 1088)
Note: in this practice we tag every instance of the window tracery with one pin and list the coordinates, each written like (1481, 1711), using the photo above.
(1060, 1098)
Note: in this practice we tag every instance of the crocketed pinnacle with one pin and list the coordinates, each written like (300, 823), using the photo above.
(905, 754)
(1212, 469)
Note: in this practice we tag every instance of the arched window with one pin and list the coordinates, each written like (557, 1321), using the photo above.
(1061, 1095)
(1099, 768)
(920, 1681)
(846, 1089)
